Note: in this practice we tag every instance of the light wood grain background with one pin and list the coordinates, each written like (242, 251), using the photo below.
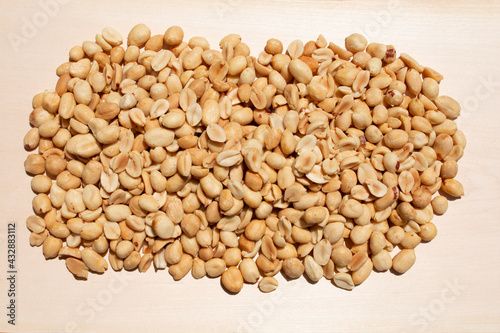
(454, 285)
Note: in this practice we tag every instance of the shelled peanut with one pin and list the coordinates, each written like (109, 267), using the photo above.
(316, 160)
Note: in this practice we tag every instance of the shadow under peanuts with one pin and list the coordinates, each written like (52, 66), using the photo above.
(393, 271)
(447, 196)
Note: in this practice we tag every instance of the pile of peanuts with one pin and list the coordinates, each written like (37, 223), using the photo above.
(316, 160)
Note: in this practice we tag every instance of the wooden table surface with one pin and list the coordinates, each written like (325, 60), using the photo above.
(454, 285)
